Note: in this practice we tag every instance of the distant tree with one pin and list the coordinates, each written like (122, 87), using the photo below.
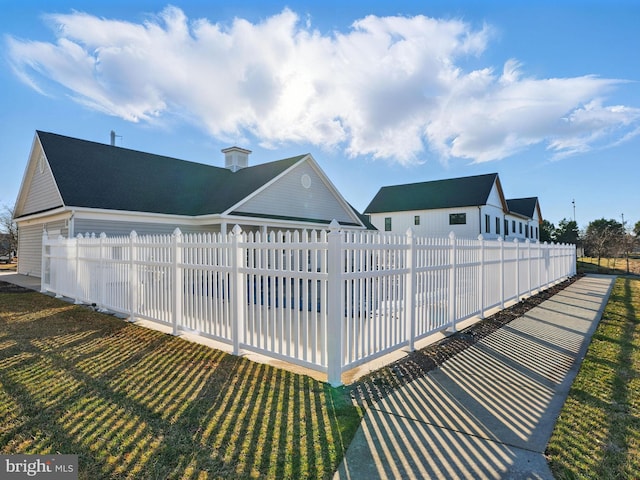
(627, 245)
(603, 238)
(636, 229)
(547, 230)
(566, 232)
(9, 228)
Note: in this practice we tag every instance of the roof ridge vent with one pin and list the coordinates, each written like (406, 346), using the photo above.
(236, 158)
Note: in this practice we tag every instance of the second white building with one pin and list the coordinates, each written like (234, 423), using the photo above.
(466, 206)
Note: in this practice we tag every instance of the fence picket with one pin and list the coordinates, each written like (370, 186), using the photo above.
(327, 300)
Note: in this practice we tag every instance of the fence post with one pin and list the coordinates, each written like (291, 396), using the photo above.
(452, 283)
(540, 261)
(481, 275)
(547, 266)
(177, 279)
(501, 243)
(78, 279)
(528, 267)
(133, 276)
(236, 311)
(335, 309)
(101, 277)
(410, 297)
(528, 244)
(515, 240)
(45, 264)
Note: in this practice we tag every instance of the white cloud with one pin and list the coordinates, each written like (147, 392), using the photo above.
(389, 87)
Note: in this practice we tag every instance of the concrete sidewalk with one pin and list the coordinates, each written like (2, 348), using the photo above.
(32, 283)
(489, 411)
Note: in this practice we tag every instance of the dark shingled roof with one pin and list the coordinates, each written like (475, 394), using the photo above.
(449, 193)
(523, 206)
(95, 175)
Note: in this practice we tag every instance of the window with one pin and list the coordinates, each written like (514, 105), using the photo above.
(498, 225)
(520, 228)
(526, 231)
(487, 223)
(506, 226)
(513, 226)
(416, 220)
(387, 224)
(457, 219)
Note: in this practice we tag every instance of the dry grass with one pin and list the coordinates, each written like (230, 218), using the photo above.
(597, 435)
(615, 266)
(136, 403)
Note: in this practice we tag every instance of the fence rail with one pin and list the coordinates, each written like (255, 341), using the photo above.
(329, 301)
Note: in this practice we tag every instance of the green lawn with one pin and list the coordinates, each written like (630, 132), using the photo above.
(137, 403)
(597, 435)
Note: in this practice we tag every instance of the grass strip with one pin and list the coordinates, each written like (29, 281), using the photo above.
(136, 403)
(597, 435)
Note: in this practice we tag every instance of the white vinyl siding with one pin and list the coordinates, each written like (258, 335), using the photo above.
(494, 199)
(495, 216)
(432, 222)
(42, 193)
(117, 228)
(289, 197)
(522, 229)
(436, 222)
(30, 245)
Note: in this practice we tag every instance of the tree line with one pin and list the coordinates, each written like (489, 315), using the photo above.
(601, 239)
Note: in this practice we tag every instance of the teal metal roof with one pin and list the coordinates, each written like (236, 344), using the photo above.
(449, 193)
(523, 206)
(95, 175)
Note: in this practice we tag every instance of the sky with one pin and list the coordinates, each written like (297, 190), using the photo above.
(545, 93)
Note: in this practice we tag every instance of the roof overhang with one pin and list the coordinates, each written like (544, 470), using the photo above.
(201, 220)
(56, 212)
(503, 200)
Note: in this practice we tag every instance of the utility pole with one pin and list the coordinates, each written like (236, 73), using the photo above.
(574, 209)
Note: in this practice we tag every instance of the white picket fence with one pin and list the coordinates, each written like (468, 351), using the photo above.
(326, 300)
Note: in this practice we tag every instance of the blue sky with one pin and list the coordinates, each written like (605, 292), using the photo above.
(547, 94)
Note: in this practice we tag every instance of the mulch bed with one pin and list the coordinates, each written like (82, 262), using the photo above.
(378, 384)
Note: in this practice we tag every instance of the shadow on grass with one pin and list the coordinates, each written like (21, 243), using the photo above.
(137, 403)
(619, 432)
(607, 266)
(598, 432)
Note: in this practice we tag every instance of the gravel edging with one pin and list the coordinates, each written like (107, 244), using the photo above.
(380, 383)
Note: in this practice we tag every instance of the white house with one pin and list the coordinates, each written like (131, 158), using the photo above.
(73, 186)
(524, 218)
(466, 206)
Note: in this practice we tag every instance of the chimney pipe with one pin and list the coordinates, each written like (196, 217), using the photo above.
(113, 138)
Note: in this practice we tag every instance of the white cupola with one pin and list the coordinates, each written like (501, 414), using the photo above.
(236, 158)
